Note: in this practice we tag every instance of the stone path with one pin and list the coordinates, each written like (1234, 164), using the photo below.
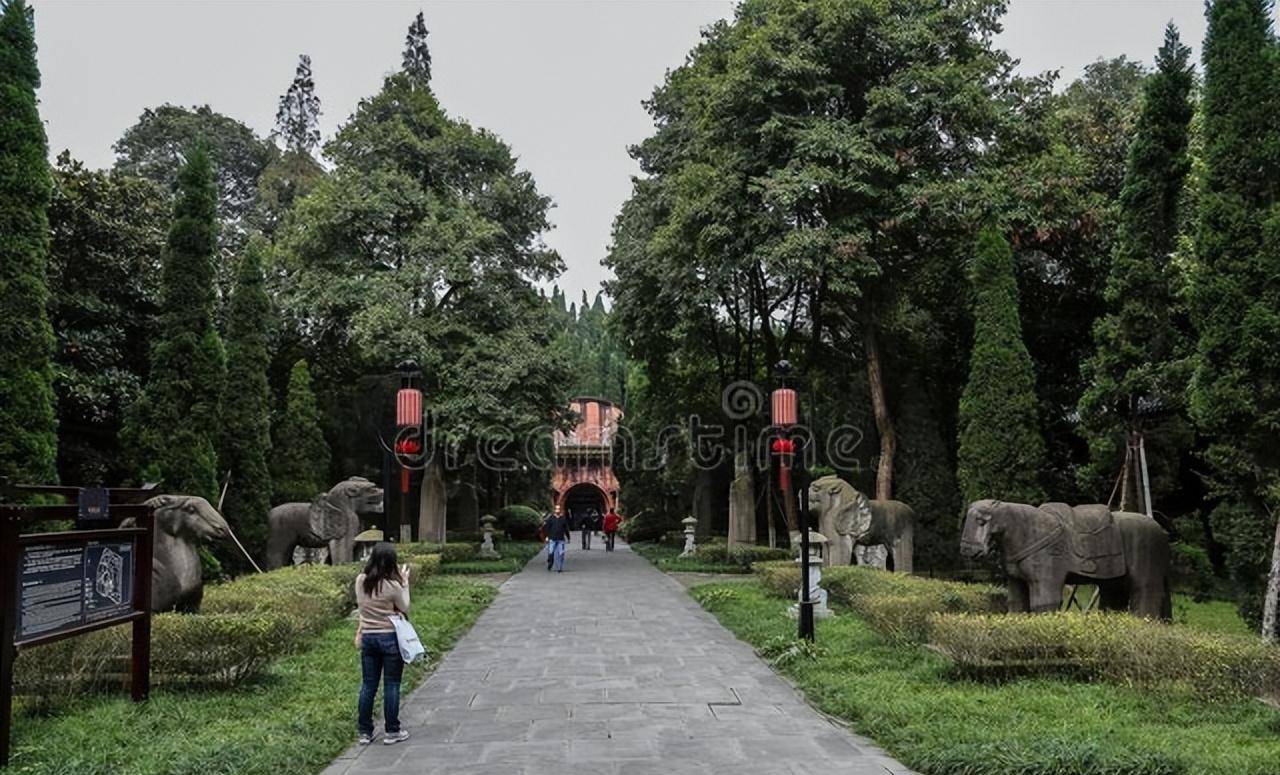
(608, 669)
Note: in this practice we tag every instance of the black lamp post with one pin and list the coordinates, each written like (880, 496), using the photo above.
(784, 406)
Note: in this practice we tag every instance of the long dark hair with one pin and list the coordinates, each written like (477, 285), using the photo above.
(381, 567)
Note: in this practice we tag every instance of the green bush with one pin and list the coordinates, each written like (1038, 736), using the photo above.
(718, 551)
(313, 595)
(464, 536)
(899, 605)
(648, 526)
(457, 552)
(520, 522)
(1110, 646)
(1191, 571)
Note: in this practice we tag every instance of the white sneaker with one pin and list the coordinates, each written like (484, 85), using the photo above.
(366, 739)
(392, 738)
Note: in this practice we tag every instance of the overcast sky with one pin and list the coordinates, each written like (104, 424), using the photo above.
(561, 82)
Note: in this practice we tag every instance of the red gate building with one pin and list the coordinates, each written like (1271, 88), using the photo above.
(583, 479)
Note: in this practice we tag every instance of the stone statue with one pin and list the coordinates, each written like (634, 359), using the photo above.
(330, 521)
(177, 580)
(851, 521)
(1125, 554)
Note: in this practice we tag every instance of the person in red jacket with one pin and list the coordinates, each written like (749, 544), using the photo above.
(612, 521)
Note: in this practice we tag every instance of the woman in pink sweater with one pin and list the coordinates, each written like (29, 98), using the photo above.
(381, 591)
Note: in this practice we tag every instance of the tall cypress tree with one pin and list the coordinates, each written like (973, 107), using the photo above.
(173, 428)
(1002, 451)
(1235, 287)
(28, 439)
(416, 60)
(246, 409)
(300, 463)
(298, 115)
(1138, 372)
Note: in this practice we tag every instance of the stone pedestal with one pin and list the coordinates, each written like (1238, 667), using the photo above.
(487, 551)
(690, 526)
(817, 595)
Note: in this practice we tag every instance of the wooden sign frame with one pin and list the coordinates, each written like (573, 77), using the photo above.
(124, 504)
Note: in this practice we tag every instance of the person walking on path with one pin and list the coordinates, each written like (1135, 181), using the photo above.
(381, 592)
(584, 525)
(612, 522)
(556, 528)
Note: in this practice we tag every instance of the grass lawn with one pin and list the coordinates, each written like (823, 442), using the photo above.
(1219, 616)
(515, 555)
(904, 698)
(294, 719)
(668, 558)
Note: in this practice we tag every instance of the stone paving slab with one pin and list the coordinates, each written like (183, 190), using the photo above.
(609, 668)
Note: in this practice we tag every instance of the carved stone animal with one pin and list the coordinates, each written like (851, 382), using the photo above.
(330, 521)
(182, 521)
(1045, 547)
(850, 520)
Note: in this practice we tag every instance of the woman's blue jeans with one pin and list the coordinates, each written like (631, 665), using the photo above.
(380, 656)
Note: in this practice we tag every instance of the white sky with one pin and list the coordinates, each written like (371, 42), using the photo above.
(559, 80)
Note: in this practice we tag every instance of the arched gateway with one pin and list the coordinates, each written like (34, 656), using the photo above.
(583, 478)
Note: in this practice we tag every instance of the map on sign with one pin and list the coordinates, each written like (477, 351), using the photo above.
(68, 585)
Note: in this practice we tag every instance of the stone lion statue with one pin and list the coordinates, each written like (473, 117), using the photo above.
(850, 521)
(330, 521)
(182, 521)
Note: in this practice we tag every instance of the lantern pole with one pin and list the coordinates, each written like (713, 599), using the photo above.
(785, 409)
(408, 417)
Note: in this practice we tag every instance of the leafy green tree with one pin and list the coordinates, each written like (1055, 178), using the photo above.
(596, 359)
(425, 242)
(172, 429)
(156, 146)
(300, 460)
(291, 174)
(245, 440)
(1234, 291)
(298, 115)
(28, 432)
(1001, 453)
(416, 61)
(104, 276)
(1138, 373)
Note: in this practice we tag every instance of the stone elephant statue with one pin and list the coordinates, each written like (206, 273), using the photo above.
(1053, 544)
(182, 521)
(850, 521)
(330, 521)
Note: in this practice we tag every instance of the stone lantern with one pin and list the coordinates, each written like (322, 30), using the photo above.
(487, 551)
(689, 524)
(817, 595)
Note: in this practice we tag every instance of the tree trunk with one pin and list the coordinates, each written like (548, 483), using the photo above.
(1272, 601)
(433, 503)
(880, 407)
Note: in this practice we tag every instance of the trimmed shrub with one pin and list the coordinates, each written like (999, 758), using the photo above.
(1109, 646)
(898, 605)
(718, 552)
(648, 526)
(312, 595)
(457, 552)
(519, 522)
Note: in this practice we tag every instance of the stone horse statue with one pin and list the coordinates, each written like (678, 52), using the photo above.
(182, 521)
(1045, 547)
(330, 521)
(849, 521)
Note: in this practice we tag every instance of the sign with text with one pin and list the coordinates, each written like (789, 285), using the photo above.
(67, 585)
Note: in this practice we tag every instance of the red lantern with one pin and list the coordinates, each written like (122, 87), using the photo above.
(784, 447)
(409, 407)
(784, 407)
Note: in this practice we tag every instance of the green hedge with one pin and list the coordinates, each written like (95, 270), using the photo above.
(1109, 646)
(242, 625)
(520, 522)
(899, 605)
(741, 556)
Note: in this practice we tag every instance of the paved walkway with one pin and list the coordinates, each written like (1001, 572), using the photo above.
(608, 669)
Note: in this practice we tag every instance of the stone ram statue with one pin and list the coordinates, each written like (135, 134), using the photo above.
(330, 521)
(1045, 547)
(850, 521)
(182, 521)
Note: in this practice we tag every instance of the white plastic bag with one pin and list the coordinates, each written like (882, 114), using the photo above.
(411, 649)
